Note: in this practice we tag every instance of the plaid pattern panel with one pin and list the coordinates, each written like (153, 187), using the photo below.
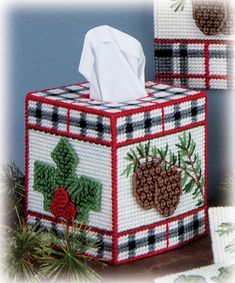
(187, 228)
(182, 114)
(184, 63)
(141, 243)
(79, 95)
(110, 107)
(139, 125)
(89, 125)
(64, 94)
(160, 93)
(46, 115)
(101, 243)
(161, 237)
(98, 126)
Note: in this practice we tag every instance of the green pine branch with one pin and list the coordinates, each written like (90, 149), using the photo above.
(178, 5)
(186, 160)
(190, 163)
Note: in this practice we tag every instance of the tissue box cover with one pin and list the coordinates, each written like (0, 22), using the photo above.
(131, 174)
(184, 55)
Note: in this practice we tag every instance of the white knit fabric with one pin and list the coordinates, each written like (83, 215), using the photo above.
(217, 216)
(178, 25)
(94, 162)
(130, 214)
(208, 272)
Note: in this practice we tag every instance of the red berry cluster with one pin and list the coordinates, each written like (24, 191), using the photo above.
(61, 206)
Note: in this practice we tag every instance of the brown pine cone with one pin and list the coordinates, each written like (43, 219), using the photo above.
(171, 193)
(210, 15)
(143, 183)
(157, 187)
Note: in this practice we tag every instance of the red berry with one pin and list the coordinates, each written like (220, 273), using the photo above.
(70, 211)
(59, 202)
(56, 209)
(62, 196)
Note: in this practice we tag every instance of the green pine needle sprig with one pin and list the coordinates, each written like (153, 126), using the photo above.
(12, 181)
(66, 259)
(25, 248)
(178, 5)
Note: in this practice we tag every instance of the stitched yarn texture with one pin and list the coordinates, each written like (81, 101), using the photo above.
(194, 47)
(62, 190)
(132, 174)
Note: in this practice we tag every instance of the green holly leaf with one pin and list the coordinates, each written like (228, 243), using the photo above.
(45, 182)
(87, 196)
(66, 161)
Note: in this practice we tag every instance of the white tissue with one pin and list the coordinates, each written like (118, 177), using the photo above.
(113, 62)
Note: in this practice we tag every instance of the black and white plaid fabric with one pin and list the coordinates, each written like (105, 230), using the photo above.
(184, 64)
(89, 125)
(101, 244)
(141, 243)
(184, 113)
(64, 94)
(160, 93)
(139, 125)
(179, 58)
(46, 115)
(186, 228)
(221, 64)
(79, 95)
(112, 107)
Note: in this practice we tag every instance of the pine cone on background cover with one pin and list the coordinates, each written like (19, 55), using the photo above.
(210, 15)
(159, 176)
(228, 26)
(156, 187)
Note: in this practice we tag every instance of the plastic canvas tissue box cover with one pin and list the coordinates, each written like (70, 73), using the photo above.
(132, 173)
(189, 53)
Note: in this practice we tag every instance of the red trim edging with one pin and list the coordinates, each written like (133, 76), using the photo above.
(163, 222)
(59, 221)
(114, 190)
(196, 41)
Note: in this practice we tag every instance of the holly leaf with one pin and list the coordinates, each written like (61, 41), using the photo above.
(45, 182)
(87, 196)
(66, 161)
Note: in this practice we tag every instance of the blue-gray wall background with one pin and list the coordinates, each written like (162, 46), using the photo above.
(45, 48)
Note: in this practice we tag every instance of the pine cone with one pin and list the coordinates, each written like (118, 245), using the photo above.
(143, 183)
(156, 187)
(228, 25)
(167, 196)
(210, 16)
